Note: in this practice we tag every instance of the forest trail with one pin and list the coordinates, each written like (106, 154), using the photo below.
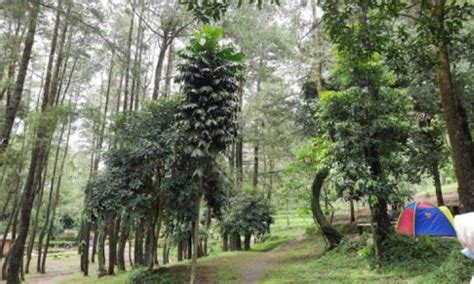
(234, 267)
(250, 267)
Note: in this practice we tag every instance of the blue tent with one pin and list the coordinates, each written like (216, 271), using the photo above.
(424, 219)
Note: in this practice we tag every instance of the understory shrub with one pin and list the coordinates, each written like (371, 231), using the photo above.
(456, 268)
(313, 230)
(143, 275)
(347, 229)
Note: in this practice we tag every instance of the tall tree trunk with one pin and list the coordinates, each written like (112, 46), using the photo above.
(255, 168)
(44, 230)
(17, 204)
(380, 218)
(56, 197)
(122, 75)
(247, 239)
(208, 226)
(124, 232)
(38, 160)
(31, 241)
(127, 66)
(138, 247)
(94, 243)
(232, 169)
(15, 99)
(85, 244)
(137, 65)
(225, 242)
(437, 184)
(239, 153)
(166, 253)
(159, 65)
(351, 207)
(169, 70)
(112, 245)
(102, 229)
(179, 251)
(196, 240)
(332, 236)
(270, 188)
(458, 127)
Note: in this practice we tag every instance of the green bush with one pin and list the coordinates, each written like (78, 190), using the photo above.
(313, 230)
(456, 268)
(270, 243)
(143, 275)
(358, 244)
(401, 248)
(348, 229)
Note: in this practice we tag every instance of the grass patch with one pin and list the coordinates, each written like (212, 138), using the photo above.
(269, 244)
(423, 260)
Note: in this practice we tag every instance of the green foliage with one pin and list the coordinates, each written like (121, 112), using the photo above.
(136, 162)
(313, 231)
(143, 275)
(357, 121)
(205, 11)
(210, 77)
(248, 214)
(269, 244)
(455, 268)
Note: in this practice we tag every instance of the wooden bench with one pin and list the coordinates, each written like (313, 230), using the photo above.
(361, 226)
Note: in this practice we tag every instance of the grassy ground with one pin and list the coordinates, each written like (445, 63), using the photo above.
(289, 255)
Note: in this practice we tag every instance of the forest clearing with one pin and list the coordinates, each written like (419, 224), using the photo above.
(246, 141)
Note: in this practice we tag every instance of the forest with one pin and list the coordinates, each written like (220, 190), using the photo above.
(246, 141)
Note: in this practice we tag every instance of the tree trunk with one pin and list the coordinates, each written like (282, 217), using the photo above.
(31, 242)
(124, 231)
(15, 99)
(238, 242)
(437, 184)
(455, 115)
(56, 198)
(112, 226)
(85, 244)
(101, 247)
(351, 205)
(208, 226)
(169, 70)
(138, 247)
(193, 279)
(232, 170)
(159, 65)
(247, 242)
(179, 251)
(45, 226)
(332, 236)
(94, 243)
(130, 259)
(127, 66)
(255, 168)
(225, 242)
(189, 247)
(166, 253)
(38, 160)
(16, 206)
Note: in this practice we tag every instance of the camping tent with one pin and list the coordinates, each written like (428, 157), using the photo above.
(424, 219)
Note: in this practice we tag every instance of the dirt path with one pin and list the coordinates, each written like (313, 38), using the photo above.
(249, 267)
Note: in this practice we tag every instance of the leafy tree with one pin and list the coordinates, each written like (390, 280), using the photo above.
(247, 215)
(441, 28)
(205, 11)
(210, 75)
(371, 138)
